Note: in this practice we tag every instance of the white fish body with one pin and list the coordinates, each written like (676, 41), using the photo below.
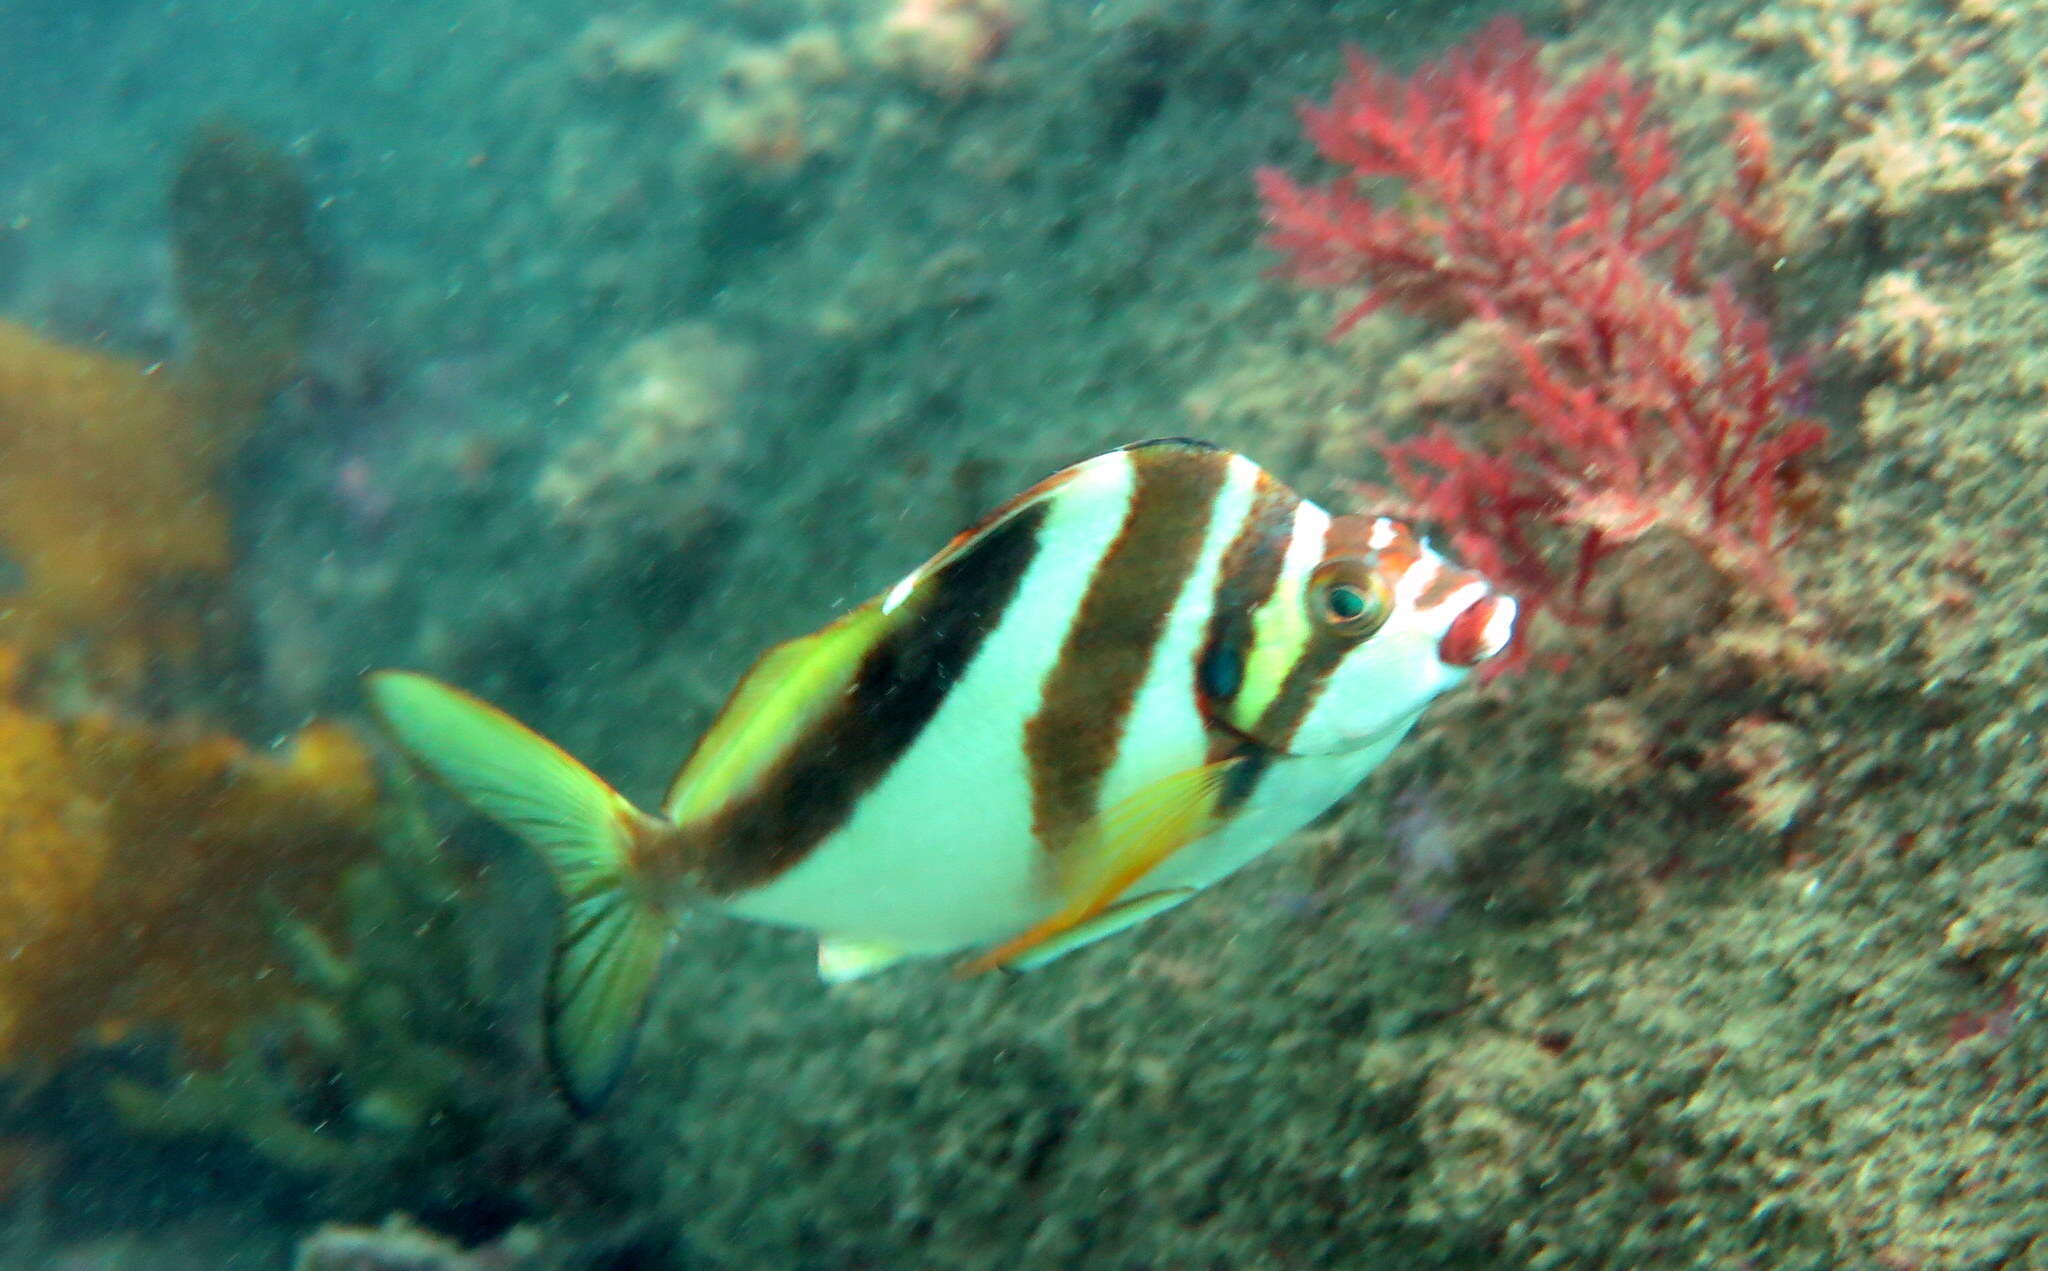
(1127, 683)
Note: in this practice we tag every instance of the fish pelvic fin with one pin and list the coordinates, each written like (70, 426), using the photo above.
(842, 960)
(614, 931)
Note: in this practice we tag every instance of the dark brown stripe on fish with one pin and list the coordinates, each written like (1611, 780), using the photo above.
(1071, 742)
(1347, 536)
(1298, 692)
(1251, 567)
(898, 688)
(1242, 781)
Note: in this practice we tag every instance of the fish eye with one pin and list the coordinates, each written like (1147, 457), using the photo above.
(1350, 599)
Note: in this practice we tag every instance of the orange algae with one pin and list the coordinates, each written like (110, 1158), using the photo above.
(108, 509)
(106, 493)
(143, 868)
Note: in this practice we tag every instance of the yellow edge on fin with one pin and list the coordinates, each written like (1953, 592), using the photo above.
(608, 956)
(1116, 849)
(785, 692)
(1125, 913)
(794, 683)
(612, 937)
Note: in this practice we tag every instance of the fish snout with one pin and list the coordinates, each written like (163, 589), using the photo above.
(1481, 629)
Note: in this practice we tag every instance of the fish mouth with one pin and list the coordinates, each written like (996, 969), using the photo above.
(1479, 632)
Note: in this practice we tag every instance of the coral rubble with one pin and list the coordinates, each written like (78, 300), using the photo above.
(667, 431)
(944, 44)
(396, 1245)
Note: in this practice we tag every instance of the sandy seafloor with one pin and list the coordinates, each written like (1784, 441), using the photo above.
(661, 331)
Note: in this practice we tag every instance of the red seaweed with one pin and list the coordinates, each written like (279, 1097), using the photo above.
(1479, 188)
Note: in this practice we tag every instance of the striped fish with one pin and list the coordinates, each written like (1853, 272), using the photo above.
(1127, 682)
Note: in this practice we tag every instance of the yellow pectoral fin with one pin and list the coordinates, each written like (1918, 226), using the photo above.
(1118, 848)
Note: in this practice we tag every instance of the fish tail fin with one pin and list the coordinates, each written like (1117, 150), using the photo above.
(613, 934)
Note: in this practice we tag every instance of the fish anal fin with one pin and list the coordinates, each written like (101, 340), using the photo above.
(843, 960)
(1118, 848)
(1125, 913)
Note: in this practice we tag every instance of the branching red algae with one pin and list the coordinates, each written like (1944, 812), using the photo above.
(1650, 398)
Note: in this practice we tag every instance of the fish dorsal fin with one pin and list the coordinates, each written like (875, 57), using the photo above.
(965, 540)
(794, 684)
(789, 687)
(1119, 847)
